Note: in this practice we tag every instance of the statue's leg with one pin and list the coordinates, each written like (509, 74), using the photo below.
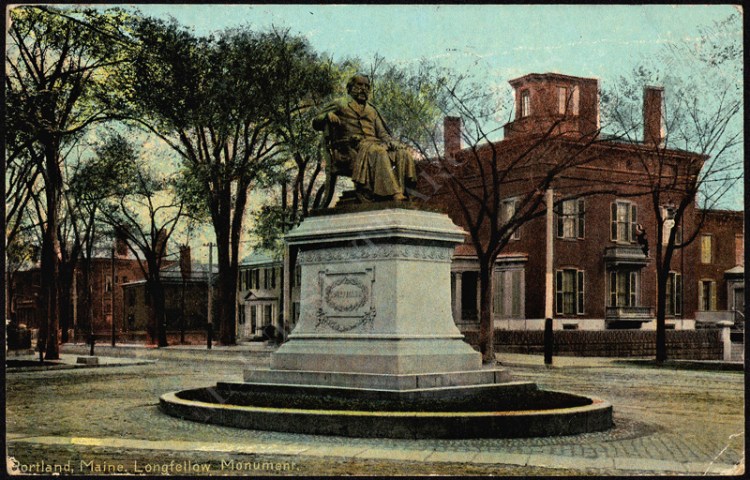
(406, 171)
(384, 180)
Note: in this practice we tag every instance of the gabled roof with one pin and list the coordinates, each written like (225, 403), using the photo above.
(737, 270)
(261, 294)
(259, 257)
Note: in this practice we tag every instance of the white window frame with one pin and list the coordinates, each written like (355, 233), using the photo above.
(707, 255)
(631, 296)
(674, 294)
(506, 214)
(509, 304)
(525, 103)
(711, 292)
(562, 100)
(575, 218)
(665, 230)
(629, 222)
(578, 292)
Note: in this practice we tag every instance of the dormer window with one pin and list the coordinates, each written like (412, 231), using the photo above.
(562, 100)
(525, 104)
(567, 100)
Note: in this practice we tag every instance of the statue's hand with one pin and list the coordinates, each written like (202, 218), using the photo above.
(333, 119)
(394, 145)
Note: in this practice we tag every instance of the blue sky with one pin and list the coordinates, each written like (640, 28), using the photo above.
(500, 41)
(494, 42)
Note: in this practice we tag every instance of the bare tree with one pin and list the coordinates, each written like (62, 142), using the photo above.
(694, 155)
(492, 187)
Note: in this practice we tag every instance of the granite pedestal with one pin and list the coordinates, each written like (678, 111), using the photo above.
(376, 306)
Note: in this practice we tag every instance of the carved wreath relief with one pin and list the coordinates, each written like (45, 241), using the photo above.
(346, 300)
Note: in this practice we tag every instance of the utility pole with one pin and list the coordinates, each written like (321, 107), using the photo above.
(91, 323)
(210, 326)
(549, 277)
(112, 309)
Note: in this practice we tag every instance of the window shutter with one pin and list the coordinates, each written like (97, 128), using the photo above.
(633, 221)
(499, 294)
(613, 289)
(581, 218)
(700, 295)
(558, 292)
(559, 222)
(613, 232)
(516, 294)
(633, 289)
(678, 294)
(713, 296)
(581, 291)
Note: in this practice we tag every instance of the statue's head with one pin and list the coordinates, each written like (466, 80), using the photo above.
(359, 87)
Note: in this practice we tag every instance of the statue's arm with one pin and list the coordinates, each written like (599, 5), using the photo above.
(320, 121)
(381, 129)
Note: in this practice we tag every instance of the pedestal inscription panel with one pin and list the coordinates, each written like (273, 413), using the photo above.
(346, 299)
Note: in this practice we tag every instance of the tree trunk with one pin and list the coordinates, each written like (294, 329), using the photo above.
(226, 283)
(156, 290)
(50, 264)
(86, 315)
(486, 320)
(48, 332)
(661, 310)
(226, 302)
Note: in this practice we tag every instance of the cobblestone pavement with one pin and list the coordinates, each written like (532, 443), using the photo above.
(667, 421)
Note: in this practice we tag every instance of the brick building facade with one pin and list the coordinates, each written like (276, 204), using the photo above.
(185, 305)
(27, 288)
(603, 279)
(720, 267)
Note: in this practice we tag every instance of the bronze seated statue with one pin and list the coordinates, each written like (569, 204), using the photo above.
(357, 144)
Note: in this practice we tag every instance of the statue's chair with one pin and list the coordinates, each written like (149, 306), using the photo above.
(338, 157)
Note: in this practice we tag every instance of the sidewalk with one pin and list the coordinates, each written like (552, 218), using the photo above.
(257, 351)
(305, 451)
(218, 353)
(527, 360)
(67, 361)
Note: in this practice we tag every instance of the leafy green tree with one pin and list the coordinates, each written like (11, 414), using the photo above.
(142, 208)
(56, 79)
(215, 101)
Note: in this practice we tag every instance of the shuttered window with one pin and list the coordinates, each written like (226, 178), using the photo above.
(569, 292)
(624, 218)
(571, 219)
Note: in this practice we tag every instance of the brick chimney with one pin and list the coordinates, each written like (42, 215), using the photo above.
(185, 262)
(161, 242)
(121, 246)
(452, 135)
(653, 116)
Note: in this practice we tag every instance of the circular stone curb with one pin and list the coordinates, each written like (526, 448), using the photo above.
(594, 417)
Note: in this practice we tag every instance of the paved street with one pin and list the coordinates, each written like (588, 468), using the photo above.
(96, 420)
